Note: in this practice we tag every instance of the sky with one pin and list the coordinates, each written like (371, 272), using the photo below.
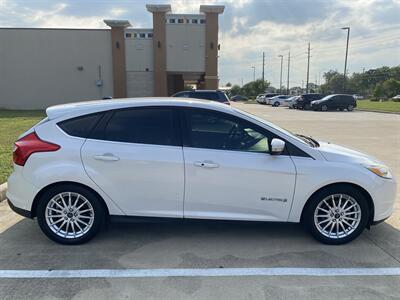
(248, 28)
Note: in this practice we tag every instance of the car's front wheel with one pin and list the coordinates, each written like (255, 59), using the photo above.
(337, 215)
(70, 214)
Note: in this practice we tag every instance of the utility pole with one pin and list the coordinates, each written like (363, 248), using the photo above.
(308, 67)
(254, 73)
(345, 59)
(263, 66)
(288, 72)
(280, 82)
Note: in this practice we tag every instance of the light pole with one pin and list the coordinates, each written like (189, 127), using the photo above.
(280, 82)
(345, 59)
(254, 73)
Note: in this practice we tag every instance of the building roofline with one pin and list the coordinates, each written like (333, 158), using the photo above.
(48, 28)
(158, 8)
(217, 9)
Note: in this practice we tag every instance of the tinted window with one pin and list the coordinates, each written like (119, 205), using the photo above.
(213, 130)
(142, 126)
(80, 126)
(205, 95)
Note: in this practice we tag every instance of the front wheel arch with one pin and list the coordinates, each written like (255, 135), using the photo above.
(50, 186)
(370, 202)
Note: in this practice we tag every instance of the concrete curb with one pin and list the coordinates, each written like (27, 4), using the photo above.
(379, 111)
(3, 191)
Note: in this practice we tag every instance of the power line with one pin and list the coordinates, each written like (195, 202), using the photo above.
(308, 66)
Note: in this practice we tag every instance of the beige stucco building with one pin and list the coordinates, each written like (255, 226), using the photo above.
(42, 67)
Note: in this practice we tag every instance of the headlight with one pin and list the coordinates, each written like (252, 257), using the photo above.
(380, 170)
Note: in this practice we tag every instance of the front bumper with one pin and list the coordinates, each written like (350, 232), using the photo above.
(384, 196)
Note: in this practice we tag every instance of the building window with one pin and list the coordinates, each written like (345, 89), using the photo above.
(142, 35)
(195, 21)
(172, 21)
(150, 35)
(202, 21)
(128, 35)
(180, 21)
(135, 35)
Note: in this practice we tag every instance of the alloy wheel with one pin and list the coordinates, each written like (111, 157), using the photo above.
(324, 108)
(69, 215)
(337, 216)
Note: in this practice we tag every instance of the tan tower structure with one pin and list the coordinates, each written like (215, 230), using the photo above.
(118, 56)
(211, 70)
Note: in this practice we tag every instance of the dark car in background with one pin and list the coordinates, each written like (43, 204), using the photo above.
(304, 102)
(213, 95)
(239, 98)
(335, 102)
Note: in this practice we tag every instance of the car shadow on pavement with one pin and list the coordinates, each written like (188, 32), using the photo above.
(199, 244)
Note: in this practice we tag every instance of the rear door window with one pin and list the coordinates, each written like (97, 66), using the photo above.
(156, 126)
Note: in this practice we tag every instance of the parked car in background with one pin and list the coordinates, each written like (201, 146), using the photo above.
(278, 100)
(259, 97)
(292, 101)
(397, 97)
(265, 99)
(87, 163)
(213, 95)
(335, 102)
(358, 97)
(238, 98)
(304, 102)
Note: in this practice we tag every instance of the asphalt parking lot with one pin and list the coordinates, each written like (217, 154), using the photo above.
(215, 245)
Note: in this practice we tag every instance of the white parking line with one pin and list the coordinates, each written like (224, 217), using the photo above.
(212, 272)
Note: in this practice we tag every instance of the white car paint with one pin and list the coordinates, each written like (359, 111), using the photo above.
(168, 181)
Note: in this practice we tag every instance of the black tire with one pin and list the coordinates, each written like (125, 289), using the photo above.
(324, 108)
(350, 108)
(96, 205)
(276, 104)
(316, 199)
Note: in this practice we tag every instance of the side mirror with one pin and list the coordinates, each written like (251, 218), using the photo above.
(277, 146)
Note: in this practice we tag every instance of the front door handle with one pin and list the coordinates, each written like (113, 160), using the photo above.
(106, 157)
(206, 164)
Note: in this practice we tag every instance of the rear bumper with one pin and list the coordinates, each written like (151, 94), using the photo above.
(20, 211)
(20, 192)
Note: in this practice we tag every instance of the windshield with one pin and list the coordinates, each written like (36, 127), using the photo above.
(301, 138)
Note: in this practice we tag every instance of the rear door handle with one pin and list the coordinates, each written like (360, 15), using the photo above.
(206, 164)
(106, 157)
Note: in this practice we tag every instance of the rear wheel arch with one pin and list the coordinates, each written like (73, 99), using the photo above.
(370, 202)
(60, 183)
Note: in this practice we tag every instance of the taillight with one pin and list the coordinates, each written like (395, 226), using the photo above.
(29, 144)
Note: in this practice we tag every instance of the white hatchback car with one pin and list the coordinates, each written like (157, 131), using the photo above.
(188, 159)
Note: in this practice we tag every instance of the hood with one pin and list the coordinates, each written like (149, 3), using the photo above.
(317, 101)
(332, 152)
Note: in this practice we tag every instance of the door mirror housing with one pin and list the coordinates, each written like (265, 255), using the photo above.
(277, 146)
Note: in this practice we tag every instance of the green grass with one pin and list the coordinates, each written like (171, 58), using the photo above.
(12, 124)
(386, 106)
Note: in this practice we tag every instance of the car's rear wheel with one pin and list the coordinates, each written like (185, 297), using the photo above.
(350, 108)
(70, 214)
(337, 215)
(276, 104)
(324, 108)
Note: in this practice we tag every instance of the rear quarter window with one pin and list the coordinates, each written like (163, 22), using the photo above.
(80, 126)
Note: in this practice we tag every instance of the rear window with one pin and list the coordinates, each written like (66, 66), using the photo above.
(205, 95)
(80, 126)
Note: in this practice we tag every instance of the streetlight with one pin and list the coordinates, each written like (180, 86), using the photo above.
(345, 59)
(254, 73)
(280, 82)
